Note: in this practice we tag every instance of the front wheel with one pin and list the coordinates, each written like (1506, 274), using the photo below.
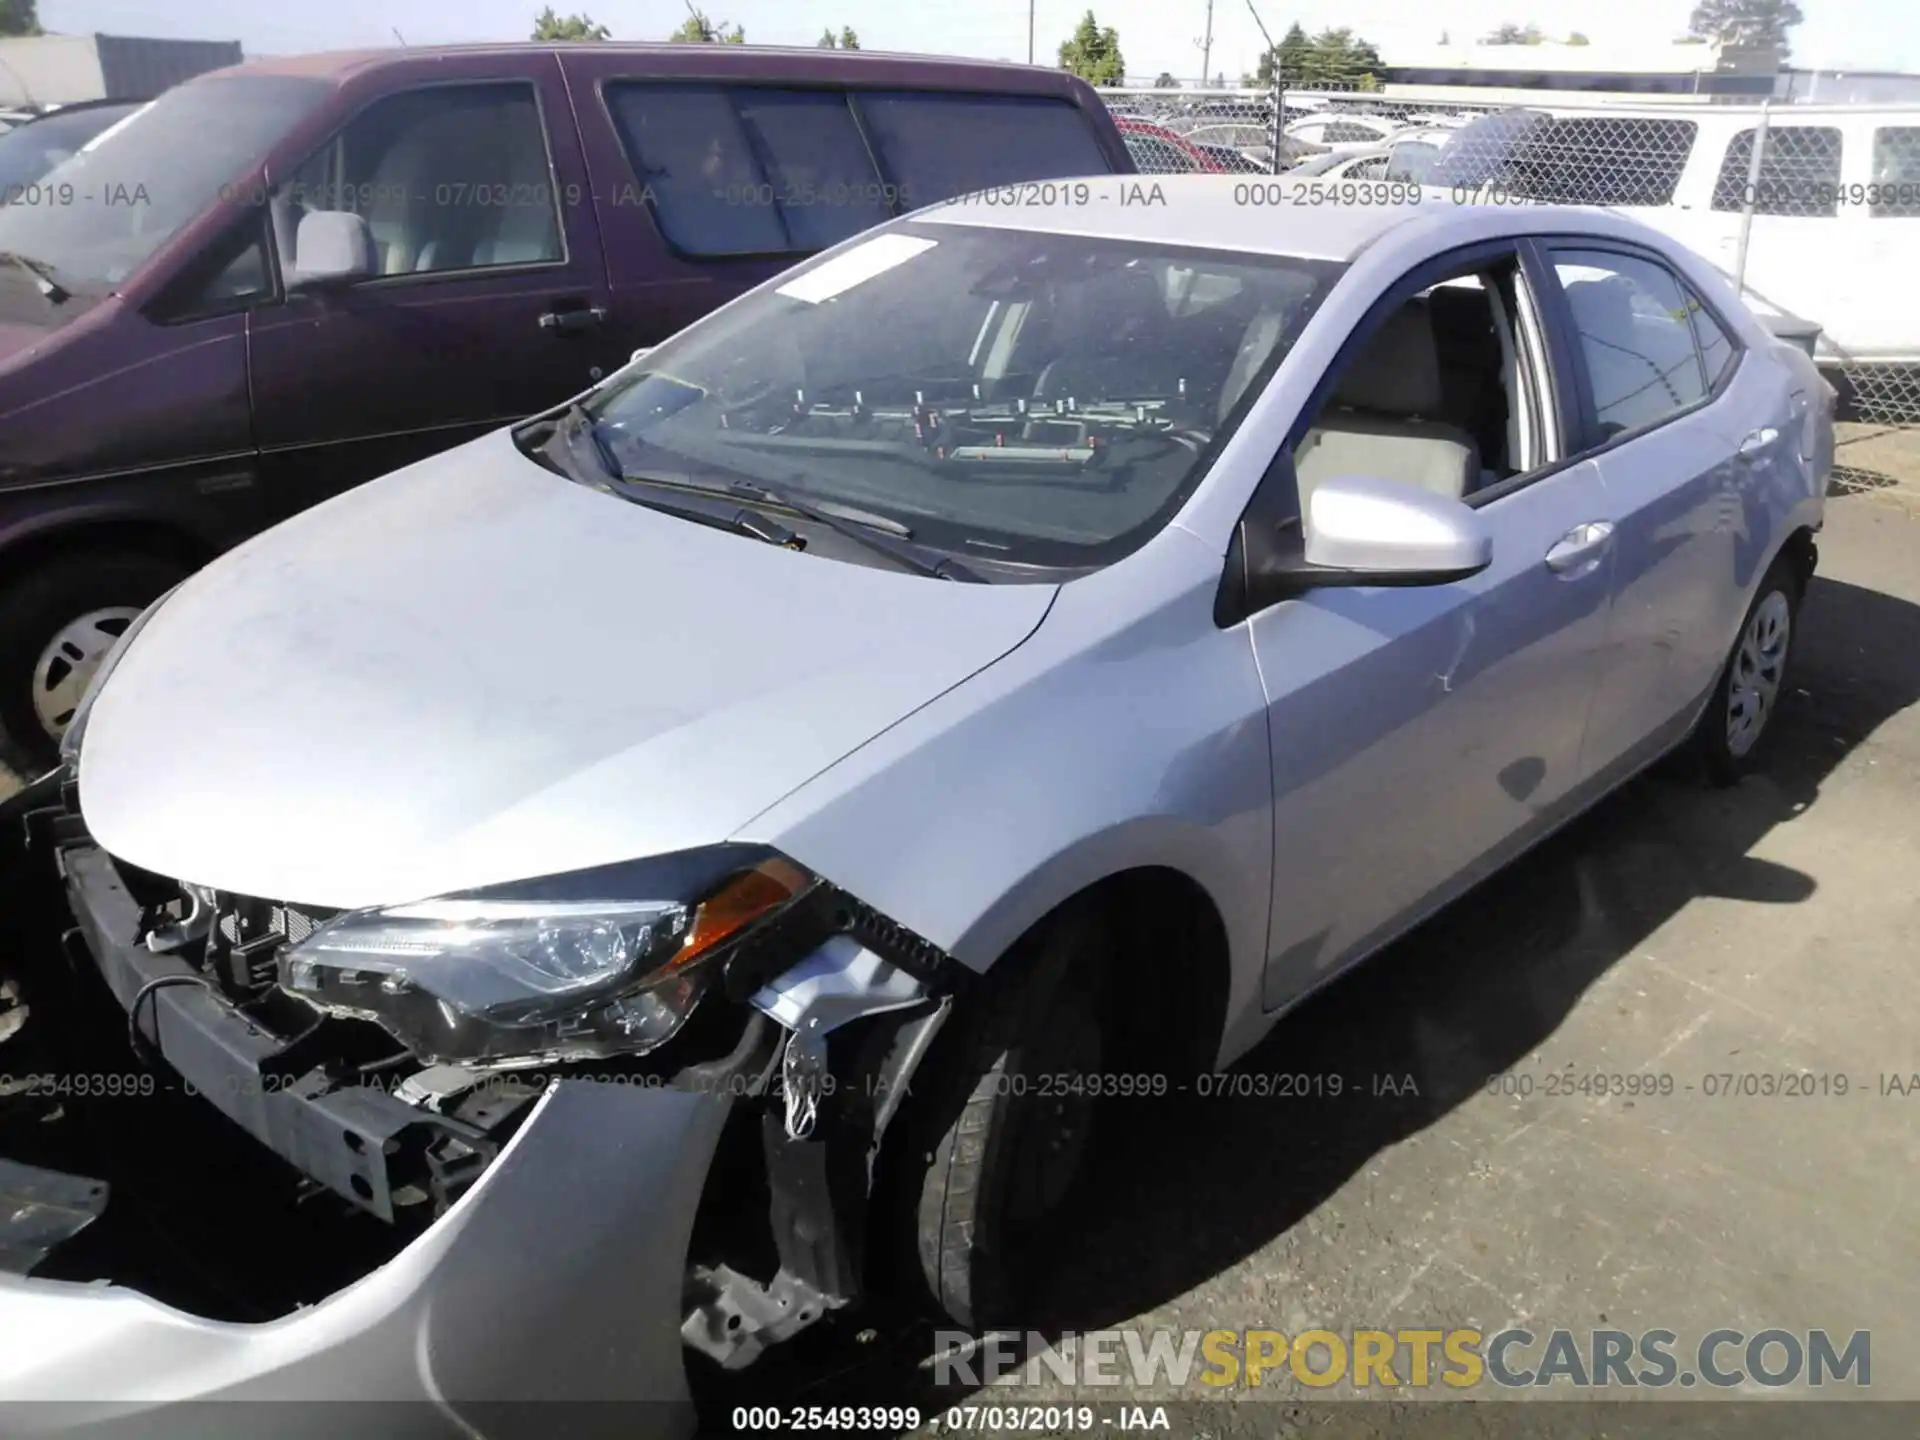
(1000, 1125)
(57, 623)
(1739, 719)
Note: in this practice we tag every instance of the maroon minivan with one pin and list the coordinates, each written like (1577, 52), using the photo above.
(503, 225)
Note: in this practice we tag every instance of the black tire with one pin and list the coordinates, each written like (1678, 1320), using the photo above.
(34, 609)
(1762, 651)
(994, 1144)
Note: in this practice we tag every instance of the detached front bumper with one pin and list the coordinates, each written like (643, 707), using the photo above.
(547, 1300)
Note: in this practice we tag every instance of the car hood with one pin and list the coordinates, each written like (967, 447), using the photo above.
(474, 671)
(16, 340)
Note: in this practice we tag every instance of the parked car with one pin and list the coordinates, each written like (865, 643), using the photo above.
(1227, 160)
(1022, 647)
(31, 149)
(282, 279)
(1368, 164)
(1836, 203)
(1343, 130)
(1157, 150)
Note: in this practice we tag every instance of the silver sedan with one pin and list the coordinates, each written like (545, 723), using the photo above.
(997, 667)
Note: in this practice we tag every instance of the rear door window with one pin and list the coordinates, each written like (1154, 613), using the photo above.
(936, 146)
(760, 170)
(1631, 321)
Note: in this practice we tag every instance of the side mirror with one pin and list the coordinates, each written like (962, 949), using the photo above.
(331, 247)
(1358, 531)
(640, 354)
(1386, 532)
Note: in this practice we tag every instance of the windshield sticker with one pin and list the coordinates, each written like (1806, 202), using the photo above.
(856, 267)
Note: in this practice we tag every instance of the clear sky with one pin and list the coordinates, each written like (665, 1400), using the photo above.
(1155, 35)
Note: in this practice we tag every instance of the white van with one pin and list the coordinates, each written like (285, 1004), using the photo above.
(1837, 202)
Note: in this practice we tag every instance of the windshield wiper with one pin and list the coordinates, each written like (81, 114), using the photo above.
(42, 273)
(577, 424)
(879, 533)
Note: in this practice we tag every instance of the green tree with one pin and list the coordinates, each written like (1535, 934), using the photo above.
(1336, 60)
(549, 26)
(1512, 34)
(845, 40)
(1576, 38)
(20, 17)
(1093, 53)
(1165, 81)
(697, 29)
(1756, 24)
(1288, 57)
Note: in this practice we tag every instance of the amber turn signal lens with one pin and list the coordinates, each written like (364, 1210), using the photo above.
(736, 905)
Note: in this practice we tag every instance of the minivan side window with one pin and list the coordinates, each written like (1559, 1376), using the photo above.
(749, 170)
(1601, 160)
(935, 146)
(1895, 190)
(448, 178)
(1632, 325)
(1799, 172)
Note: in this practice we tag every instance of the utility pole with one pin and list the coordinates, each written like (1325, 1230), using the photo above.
(1030, 4)
(1206, 49)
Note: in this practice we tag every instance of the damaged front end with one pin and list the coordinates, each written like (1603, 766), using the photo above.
(506, 1147)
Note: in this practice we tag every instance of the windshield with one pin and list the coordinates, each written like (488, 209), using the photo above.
(93, 219)
(1008, 396)
(35, 148)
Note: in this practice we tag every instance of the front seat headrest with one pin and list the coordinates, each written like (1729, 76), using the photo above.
(1398, 372)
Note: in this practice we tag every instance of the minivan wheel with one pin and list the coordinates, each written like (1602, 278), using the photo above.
(57, 623)
(1733, 732)
(999, 1125)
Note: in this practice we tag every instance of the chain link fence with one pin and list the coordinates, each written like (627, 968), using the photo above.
(1776, 196)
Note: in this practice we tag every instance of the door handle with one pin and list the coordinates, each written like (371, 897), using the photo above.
(1757, 443)
(569, 322)
(1580, 545)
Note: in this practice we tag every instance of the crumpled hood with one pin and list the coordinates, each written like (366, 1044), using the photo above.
(474, 671)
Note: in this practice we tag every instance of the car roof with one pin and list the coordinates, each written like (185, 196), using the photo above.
(665, 57)
(1222, 212)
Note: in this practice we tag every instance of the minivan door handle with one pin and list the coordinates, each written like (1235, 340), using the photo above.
(1575, 551)
(569, 322)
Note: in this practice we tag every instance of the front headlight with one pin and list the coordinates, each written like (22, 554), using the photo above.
(70, 737)
(580, 966)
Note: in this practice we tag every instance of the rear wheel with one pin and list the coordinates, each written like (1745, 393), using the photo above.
(999, 1126)
(57, 623)
(1730, 742)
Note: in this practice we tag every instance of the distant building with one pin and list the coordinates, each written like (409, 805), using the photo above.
(60, 69)
(1666, 70)
(1849, 87)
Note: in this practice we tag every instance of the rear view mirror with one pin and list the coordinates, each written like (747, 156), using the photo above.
(331, 247)
(1388, 532)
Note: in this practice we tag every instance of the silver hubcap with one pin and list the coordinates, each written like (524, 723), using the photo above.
(1757, 667)
(66, 667)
